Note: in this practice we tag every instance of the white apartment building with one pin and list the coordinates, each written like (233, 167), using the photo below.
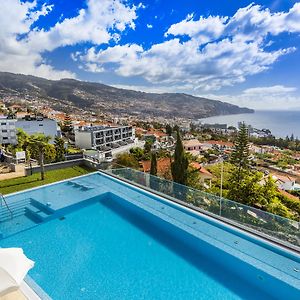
(42, 125)
(8, 131)
(8, 128)
(104, 137)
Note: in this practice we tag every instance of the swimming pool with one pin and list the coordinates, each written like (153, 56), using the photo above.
(96, 237)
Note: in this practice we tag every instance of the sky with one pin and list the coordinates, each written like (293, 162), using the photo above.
(243, 52)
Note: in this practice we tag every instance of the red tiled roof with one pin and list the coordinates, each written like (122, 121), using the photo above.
(157, 133)
(288, 195)
(163, 165)
(191, 143)
(200, 168)
(284, 178)
(220, 143)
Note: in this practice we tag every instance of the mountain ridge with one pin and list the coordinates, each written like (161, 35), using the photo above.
(101, 98)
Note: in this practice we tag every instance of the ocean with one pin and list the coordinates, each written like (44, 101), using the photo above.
(281, 123)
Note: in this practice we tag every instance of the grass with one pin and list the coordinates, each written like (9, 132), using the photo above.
(22, 183)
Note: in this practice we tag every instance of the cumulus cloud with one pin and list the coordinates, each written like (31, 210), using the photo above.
(218, 51)
(115, 54)
(93, 25)
(205, 29)
(22, 43)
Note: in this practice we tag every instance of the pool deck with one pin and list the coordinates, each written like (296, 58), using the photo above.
(23, 293)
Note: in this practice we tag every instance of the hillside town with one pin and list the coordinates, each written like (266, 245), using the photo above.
(131, 141)
(149, 150)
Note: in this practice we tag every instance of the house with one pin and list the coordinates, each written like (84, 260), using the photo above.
(286, 182)
(163, 166)
(296, 156)
(188, 136)
(205, 175)
(158, 135)
(191, 145)
(220, 145)
(288, 195)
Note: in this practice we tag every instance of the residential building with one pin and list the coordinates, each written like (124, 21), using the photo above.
(216, 127)
(8, 131)
(191, 145)
(163, 167)
(219, 145)
(205, 175)
(9, 127)
(104, 137)
(286, 182)
(32, 125)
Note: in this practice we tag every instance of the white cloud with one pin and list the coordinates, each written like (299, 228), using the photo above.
(220, 51)
(268, 97)
(276, 89)
(149, 26)
(205, 29)
(90, 25)
(219, 64)
(16, 18)
(99, 23)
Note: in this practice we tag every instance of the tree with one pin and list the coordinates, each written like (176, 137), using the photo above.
(176, 128)
(22, 138)
(248, 190)
(127, 160)
(169, 129)
(153, 169)
(179, 166)
(137, 152)
(38, 144)
(23, 142)
(148, 145)
(67, 125)
(59, 145)
(240, 156)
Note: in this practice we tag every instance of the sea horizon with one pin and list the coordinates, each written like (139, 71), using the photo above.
(280, 122)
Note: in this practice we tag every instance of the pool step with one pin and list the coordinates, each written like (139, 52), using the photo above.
(17, 208)
(37, 211)
(80, 186)
(29, 207)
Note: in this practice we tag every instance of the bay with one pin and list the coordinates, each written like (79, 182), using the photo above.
(281, 123)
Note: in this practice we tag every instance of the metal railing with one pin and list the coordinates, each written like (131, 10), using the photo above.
(3, 201)
(283, 230)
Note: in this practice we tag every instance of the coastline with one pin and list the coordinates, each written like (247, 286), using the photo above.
(281, 123)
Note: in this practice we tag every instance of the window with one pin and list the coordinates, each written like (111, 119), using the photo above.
(4, 130)
(3, 123)
(41, 125)
(5, 138)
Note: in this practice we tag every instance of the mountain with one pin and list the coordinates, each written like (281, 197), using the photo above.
(99, 98)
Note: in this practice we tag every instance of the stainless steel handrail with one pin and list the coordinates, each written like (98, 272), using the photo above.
(2, 199)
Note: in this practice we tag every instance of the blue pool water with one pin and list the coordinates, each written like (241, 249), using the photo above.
(116, 242)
